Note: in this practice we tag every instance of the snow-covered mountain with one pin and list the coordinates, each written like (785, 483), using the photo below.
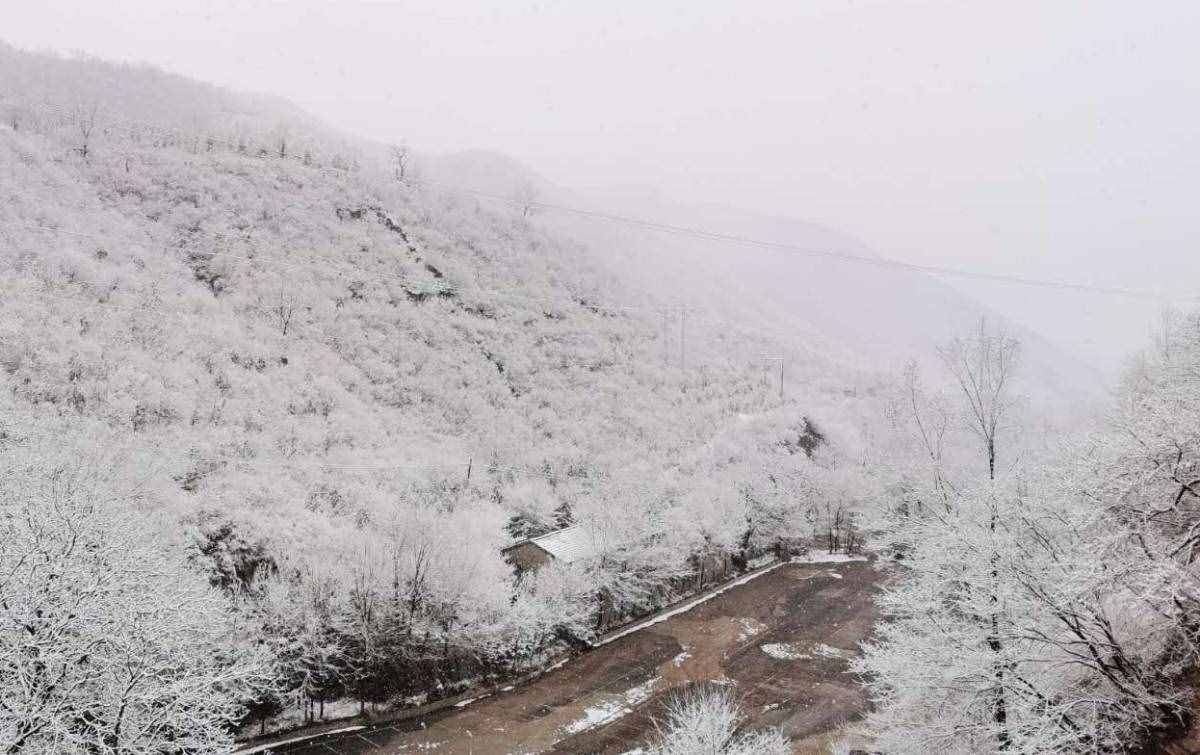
(330, 388)
(785, 288)
(297, 339)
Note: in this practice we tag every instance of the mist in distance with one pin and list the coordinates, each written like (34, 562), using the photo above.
(1051, 141)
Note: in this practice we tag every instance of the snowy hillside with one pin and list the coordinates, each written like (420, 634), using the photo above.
(826, 315)
(309, 369)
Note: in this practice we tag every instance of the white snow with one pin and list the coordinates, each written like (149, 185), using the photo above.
(750, 627)
(469, 700)
(611, 710)
(687, 606)
(830, 652)
(826, 558)
(783, 651)
(293, 740)
(679, 659)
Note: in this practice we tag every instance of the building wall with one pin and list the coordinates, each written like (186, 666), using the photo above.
(526, 557)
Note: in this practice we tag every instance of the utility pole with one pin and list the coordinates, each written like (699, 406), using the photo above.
(666, 338)
(781, 359)
(682, 337)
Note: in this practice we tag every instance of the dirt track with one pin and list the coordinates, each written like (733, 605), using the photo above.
(813, 615)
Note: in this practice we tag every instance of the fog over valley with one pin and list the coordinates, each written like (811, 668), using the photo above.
(572, 378)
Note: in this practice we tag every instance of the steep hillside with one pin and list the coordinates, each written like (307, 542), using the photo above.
(328, 385)
(251, 316)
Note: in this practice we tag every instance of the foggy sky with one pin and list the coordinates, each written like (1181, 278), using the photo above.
(1055, 140)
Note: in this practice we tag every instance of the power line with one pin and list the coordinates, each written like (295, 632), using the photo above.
(828, 254)
(703, 234)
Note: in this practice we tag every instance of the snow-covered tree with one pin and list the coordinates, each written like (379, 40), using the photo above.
(1063, 590)
(109, 642)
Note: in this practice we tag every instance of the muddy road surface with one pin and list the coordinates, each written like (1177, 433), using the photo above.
(781, 641)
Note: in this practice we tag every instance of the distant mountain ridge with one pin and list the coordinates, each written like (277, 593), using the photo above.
(853, 311)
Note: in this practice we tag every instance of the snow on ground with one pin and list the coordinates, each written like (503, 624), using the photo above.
(679, 659)
(830, 652)
(469, 700)
(687, 606)
(293, 740)
(750, 627)
(783, 651)
(826, 558)
(611, 710)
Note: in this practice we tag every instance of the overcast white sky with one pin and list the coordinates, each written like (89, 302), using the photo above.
(1048, 139)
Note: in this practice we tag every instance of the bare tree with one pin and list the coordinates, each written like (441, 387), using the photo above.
(526, 198)
(400, 160)
(931, 417)
(280, 136)
(84, 116)
(284, 311)
(983, 365)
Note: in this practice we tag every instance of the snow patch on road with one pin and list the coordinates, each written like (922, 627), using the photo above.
(293, 740)
(687, 606)
(783, 651)
(826, 558)
(750, 627)
(611, 710)
(830, 652)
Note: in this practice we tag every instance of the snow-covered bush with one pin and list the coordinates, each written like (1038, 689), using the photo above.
(708, 721)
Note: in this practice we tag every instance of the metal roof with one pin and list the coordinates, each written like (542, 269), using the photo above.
(569, 544)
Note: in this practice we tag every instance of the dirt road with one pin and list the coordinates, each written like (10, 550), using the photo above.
(782, 641)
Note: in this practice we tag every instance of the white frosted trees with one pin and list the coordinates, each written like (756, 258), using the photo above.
(108, 643)
(1054, 608)
(707, 721)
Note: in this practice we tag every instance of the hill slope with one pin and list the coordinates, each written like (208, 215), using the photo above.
(828, 316)
(318, 373)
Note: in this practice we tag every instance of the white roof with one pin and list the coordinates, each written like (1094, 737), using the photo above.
(568, 544)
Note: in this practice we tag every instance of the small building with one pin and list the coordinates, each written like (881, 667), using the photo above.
(566, 545)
